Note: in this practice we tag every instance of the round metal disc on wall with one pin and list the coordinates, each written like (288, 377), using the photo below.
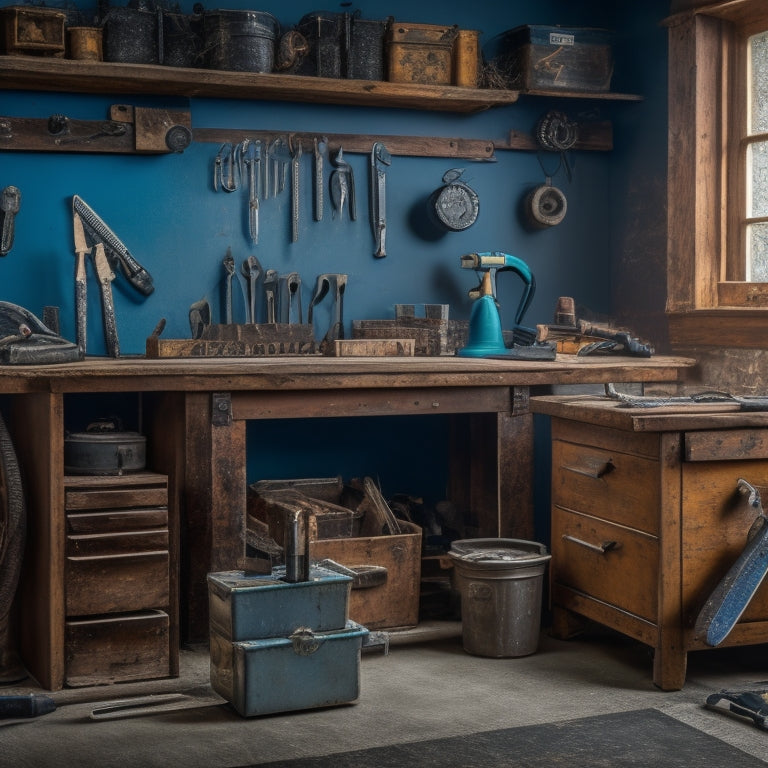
(546, 206)
(456, 206)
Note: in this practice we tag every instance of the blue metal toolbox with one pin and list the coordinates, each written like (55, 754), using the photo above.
(246, 606)
(281, 674)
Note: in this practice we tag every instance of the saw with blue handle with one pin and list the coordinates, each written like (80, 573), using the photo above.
(733, 594)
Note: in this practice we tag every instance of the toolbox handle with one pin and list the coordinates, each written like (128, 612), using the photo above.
(305, 641)
(367, 576)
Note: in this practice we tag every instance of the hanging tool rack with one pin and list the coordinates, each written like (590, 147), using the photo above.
(592, 136)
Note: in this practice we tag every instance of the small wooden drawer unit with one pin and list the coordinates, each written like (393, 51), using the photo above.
(116, 578)
(647, 519)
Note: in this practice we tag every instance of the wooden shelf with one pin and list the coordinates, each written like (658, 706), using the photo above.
(65, 75)
(51, 74)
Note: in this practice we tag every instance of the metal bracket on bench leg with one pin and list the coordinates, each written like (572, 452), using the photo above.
(221, 409)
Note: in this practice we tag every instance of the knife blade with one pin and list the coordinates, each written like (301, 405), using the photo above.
(732, 595)
(81, 300)
(136, 275)
(106, 276)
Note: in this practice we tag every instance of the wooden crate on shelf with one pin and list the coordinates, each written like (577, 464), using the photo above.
(33, 31)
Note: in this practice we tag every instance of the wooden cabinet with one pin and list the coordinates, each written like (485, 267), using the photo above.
(647, 518)
(116, 579)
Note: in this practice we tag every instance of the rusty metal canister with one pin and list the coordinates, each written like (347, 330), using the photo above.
(131, 36)
(420, 53)
(85, 43)
(240, 40)
(466, 58)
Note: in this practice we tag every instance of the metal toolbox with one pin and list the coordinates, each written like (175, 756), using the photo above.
(420, 53)
(246, 606)
(281, 674)
(528, 58)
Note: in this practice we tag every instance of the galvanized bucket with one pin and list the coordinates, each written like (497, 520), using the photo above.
(500, 582)
(241, 41)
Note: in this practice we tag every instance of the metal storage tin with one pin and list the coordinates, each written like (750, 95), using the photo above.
(131, 36)
(282, 674)
(420, 53)
(252, 606)
(104, 452)
(241, 41)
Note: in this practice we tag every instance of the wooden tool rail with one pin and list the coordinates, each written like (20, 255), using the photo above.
(592, 136)
(128, 130)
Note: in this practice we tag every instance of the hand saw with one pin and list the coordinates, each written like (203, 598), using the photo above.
(117, 253)
(732, 595)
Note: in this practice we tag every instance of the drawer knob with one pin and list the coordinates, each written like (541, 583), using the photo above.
(606, 546)
(591, 466)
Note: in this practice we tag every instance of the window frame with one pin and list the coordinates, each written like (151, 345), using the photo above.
(708, 301)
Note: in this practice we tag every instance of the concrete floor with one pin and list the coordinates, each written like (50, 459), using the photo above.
(419, 690)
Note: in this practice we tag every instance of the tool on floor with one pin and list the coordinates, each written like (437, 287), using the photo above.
(323, 286)
(486, 338)
(148, 705)
(29, 705)
(750, 704)
(732, 595)
(117, 253)
(380, 161)
(10, 202)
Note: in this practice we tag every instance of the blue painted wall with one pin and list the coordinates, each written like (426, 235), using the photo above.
(165, 210)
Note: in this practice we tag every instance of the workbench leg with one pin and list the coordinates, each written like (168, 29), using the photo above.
(669, 667)
(566, 624)
(214, 502)
(491, 473)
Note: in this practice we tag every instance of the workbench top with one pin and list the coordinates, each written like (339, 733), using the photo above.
(676, 417)
(137, 373)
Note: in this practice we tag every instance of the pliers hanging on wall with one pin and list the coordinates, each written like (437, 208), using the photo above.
(105, 276)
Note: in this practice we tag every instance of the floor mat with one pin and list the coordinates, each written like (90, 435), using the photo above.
(644, 737)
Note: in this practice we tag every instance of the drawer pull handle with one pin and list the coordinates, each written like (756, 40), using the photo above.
(595, 468)
(606, 546)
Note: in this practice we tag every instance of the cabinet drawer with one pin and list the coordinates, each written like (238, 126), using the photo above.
(116, 583)
(115, 498)
(126, 542)
(614, 486)
(108, 649)
(625, 576)
(716, 521)
(117, 520)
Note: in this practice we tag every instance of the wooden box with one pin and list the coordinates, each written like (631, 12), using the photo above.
(29, 30)
(117, 648)
(420, 53)
(530, 58)
(385, 591)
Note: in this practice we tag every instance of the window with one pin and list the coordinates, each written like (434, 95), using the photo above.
(717, 276)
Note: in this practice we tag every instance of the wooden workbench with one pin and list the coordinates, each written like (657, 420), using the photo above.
(195, 414)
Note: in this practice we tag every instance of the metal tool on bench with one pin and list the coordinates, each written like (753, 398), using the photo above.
(486, 338)
(105, 241)
(289, 298)
(270, 295)
(380, 161)
(229, 268)
(335, 284)
(251, 270)
(732, 595)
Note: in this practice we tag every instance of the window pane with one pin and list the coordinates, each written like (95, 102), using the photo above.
(758, 49)
(757, 253)
(757, 192)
